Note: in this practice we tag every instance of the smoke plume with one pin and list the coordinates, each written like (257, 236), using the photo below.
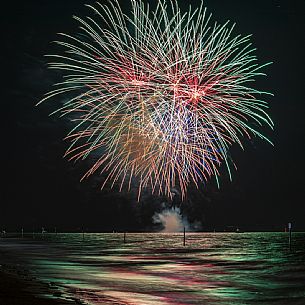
(171, 220)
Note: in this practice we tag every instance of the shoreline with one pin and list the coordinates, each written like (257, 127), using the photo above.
(66, 270)
(19, 286)
(16, 291)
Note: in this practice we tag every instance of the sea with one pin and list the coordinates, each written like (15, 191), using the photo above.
(158, 269)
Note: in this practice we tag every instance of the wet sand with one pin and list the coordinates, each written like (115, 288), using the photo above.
(19, 287)
(14, 291)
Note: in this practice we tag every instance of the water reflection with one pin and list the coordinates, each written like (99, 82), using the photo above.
(235, 269)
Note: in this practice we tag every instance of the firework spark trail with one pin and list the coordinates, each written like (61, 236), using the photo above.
(160, 95)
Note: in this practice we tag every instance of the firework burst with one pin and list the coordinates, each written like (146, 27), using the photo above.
(159, 96)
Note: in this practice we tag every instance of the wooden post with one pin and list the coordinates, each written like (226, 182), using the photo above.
(22, 232)
(124, 237)
(289, 228)
(83, 234)
(183, 236)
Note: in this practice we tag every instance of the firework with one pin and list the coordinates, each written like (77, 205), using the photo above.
(158, 96)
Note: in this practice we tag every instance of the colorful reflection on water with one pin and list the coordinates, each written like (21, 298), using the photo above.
(218, 268)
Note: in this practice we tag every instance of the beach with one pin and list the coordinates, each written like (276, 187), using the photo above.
(19, 287)
(15, 291)
(153, 269)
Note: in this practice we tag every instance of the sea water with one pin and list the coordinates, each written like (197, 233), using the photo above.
(156, 269)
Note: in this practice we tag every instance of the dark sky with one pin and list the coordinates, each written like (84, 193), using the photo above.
(40, 188)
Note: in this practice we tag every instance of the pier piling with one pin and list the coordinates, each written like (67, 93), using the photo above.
(289, 229)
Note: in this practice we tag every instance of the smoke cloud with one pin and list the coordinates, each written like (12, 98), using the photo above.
(171, 220)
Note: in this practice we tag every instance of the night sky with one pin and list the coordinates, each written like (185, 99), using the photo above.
(40, 188)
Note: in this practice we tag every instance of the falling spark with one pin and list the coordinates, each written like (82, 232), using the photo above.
(159, 95)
